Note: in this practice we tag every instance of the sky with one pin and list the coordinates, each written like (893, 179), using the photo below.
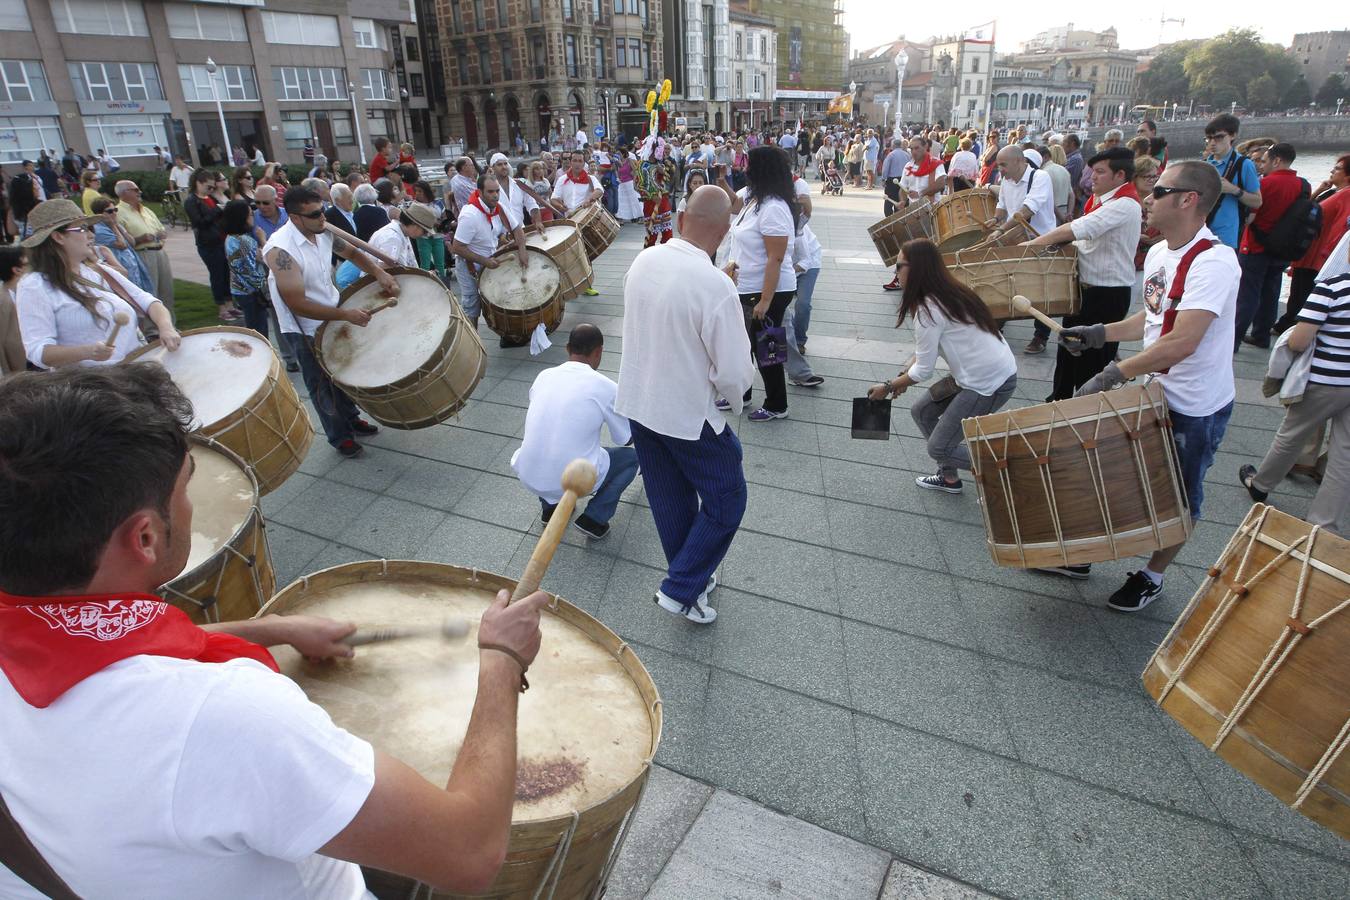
(872, 22)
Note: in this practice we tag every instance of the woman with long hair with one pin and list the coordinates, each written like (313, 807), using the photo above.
(203, 208)
(950, 321)
(248, 275)
(766, 217)
(241, 184)
(69, 304)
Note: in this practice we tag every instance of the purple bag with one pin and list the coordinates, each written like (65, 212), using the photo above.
(771, 346)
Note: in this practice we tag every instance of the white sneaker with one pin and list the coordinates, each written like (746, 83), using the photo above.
(712, 585)
(697, 611)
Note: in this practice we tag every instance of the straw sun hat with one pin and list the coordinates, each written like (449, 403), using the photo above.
(50, 215)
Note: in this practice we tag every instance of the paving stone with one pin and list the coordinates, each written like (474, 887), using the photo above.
(628, 608)
(965, 551)
(284, 493)
(683, 686)
(468, 542)
(1288, 873)
(577, 574)
(882, 534)
(795, 572)
(782, 434)
(788, 646)
(375, 470)
(291, 551)
(872, 485)
(782, 468)
(335, 555)
(902, 598)
(669, 806)
(500, 501)
(392, 529)
(787, 514)
(434, 484)
(466, 447)
(642, 544)
(906, 882)
(737, 848)
(326, 508)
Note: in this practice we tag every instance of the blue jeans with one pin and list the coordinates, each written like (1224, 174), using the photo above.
(696, 490)
(623, 466)
(468, 290)
(255, 307)
(1197, 438)
(1258, 296)
(797, 366)
(806, 287)
(336, 410)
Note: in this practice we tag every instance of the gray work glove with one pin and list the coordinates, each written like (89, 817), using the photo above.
(1104, 380)
(1078, 338)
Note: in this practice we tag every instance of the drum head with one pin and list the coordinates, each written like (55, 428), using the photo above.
(222, 498)
(398, 341)
(552, 237)
(503, 287)
(218, 369)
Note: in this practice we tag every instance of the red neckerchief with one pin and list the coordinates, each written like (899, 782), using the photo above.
(476, 200)
(1125, 190)
(50, 644)
(927, 167)
(584, 179)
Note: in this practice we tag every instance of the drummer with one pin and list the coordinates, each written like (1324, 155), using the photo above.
(923, 179)
(1187, 323)
(514, 195)
(1024, 194)
(298, 257)
(143, 755)
(68, 304)
(482, 223)
(574, 189)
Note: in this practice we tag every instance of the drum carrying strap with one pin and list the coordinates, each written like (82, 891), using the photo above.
(1179, 285)
(18, 854)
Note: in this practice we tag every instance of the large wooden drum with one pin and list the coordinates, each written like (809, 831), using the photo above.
(228, 575)
(588, 726)
(597, 226)
(1047, 276)
(1079, 481)
(958, 219)
(513, 306)
(901, 227)
(1019, 232)
(416, 363)
(241, 397)
(1258, 665)
(561, 240)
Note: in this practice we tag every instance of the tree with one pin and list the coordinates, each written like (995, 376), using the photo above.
(1165, 80)
(1298, 94)
(1331, 90)
(1220, 68)
(1262, 93)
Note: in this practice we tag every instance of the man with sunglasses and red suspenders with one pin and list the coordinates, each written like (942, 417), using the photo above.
(1187, 324)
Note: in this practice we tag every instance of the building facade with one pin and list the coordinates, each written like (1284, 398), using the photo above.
(973, 67)
(1064, 37)
(696, 36)
(126, 75)
(753, 67)
(1321, 54)
(1040, 100)
(1113, 74)
(813, 45)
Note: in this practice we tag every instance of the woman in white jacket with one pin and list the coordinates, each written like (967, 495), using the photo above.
(952, 322)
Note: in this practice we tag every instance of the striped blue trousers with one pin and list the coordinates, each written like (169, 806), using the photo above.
(696, 490)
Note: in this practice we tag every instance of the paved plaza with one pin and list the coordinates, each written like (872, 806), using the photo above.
(871, 671)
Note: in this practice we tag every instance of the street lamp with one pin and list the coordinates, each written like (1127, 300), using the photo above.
(1339, 101)
(1232, 108)
(885, 115)
(356, 121)
(1174, 110)
(211, 69)
(605, 95)
(852, 98)
(901, 60)
(1122, 113)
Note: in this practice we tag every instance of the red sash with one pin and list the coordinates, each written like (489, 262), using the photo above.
(1179, 285)
(475, 199)
(927, 167)
(1125, 190)
(584, 179)
(50, 644)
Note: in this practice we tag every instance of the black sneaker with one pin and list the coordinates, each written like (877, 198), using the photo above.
(546, 513)
(938, 483)
(1246, 474)
(596, 531)
(1139, 591)
(350, 448)
(809, 381)
(1079, 572)
(361, 426)
(292, 366)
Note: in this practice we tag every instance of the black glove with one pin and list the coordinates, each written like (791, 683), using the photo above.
(1078, 338)
(1104, 380)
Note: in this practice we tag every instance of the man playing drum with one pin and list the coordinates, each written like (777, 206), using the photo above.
(145, 756)
(517, 198)
(1024, 194)
(924, 178)
(1190, 306)
(482, 222)
(300, 280)
(575, 188)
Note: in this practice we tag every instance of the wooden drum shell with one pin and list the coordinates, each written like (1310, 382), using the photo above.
(1048, 278)
(596, 830)
(958, 219)
(437, 389)
(574, 264)
(1296, 720)
(271, 432)
(597, 226)
(519, 324)
(900, 227)
(1079, 481)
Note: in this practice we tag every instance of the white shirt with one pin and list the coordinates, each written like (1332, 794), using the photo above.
(788, 141)
(480, 233)
(1061, 184)
(912, 182)
(517, 202)
(979, 361)
(391, 241)
(49, 316)
(965, 164)
(582, 140)
(568, 405)
(572, 194)
(181, 178)
(806, 250)
(1202, 383)
(315, 259)
(1107, 239)
(1034, 190)
(757, 220)
(684, 342)
(258, 158)
(165, 778)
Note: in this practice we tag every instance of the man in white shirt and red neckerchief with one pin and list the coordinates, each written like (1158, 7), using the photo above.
(143, 755)
(482, 222)
(1190, 307)
(924, 177)
(575, 188)
(1107, 236)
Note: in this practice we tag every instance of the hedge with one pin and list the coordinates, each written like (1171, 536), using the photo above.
(154, 183)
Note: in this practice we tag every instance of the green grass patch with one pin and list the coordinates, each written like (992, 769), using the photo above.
(193, 305)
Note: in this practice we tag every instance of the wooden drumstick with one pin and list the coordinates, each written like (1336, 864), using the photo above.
(359, 244)
(392, 301)
(450, 629)
(578, 479)
(119, 320)
(1023, 306)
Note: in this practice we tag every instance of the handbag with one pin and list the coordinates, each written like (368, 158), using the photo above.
(943, 389)
(771, 346)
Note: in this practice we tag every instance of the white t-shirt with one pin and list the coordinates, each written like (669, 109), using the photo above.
(572, 194)
(181, 178)
(517, 202)
(568, 405)
(479, 232)
(912, 182)
(169, 778)
(978, 360)
(315, 259)
(582, 139)
(757, 220)
(965, 164)
(390, 240)
(1202, 383)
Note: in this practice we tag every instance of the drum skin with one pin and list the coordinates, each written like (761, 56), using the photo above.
(563, 243)
(228, 576)
(1048, 277)
(900, 227)
(588, 727)
(514, 308)
(1079, 481)
(268, 428)
(958, 219)
(416, 363)
(598, 228)
(1277, 578)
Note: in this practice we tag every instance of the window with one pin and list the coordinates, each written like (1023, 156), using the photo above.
(597, 11)
(199, 22)
(1094, 72)
(763, 47)
(621, 53)
(644, 13)
(600, 71)
(569, 12)
(232, 83)
(967, 90)
(25, 81)
(479, 21)
(618, 7)
(740, 84)
(115, 17)
(503, 17)
(26, 137)
(635, 53)
(341, 120)
(367, 35)
(462, 65)
(126, 135)
(374, 84)
(632, 7)
(296, 129)
(455, 19)
(484, 66)
(759, 84)
(570, 55)
(976, 61)
(13, 17)
(537, 55)
(647, 59)
(295, 83)
(416, 85)
(508, 61)
(301, 28)
(377, 123)
(536, 10)
(411, 50)
(116, 81)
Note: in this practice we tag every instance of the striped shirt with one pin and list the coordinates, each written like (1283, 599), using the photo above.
(1328, 307)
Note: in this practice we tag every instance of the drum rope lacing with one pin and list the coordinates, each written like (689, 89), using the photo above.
(1293, 632)
(1046, 272)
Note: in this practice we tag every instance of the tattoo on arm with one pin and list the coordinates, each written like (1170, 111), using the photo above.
(281, 261)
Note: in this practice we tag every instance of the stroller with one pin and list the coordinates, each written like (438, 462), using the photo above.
(834, 183)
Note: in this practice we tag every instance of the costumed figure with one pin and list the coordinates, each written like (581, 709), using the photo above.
(656, 171)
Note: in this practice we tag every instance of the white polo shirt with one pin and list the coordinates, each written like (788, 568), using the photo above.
(479, 233)
(1036, 191)
(572, 194)
(315, 259)
(516, 201)
(391, 241)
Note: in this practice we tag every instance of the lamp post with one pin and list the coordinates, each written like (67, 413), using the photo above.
(901, 60)
(609, 135)
(852, 98)
(885, 115)
(356, 122)
(1339, 101)
(211, 69)
(1174, 110)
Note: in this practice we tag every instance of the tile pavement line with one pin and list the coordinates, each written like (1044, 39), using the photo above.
(1175, 811)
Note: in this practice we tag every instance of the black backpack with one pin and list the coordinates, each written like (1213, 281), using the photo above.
(1296, 230)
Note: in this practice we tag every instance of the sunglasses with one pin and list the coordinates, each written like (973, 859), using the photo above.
(1159, 191)
(76, 229)
(312, 216)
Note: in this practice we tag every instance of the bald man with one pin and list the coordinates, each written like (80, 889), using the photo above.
(684, 345)
(147, 239)
(269, 216)
(1024, 193)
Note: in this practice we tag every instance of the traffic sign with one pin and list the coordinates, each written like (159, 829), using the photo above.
(599, 131)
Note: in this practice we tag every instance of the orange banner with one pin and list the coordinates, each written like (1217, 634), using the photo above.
(842, 104)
